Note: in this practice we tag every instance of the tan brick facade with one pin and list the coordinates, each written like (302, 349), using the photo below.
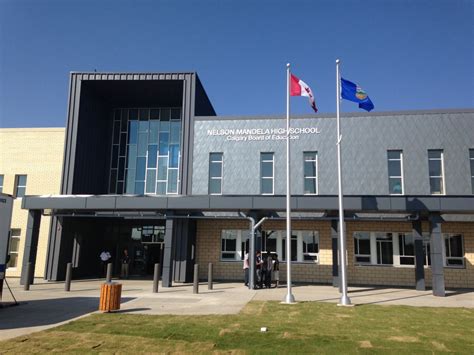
(209, 239)
(37, 153)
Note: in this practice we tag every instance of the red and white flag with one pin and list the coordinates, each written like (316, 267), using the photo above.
(300, 88)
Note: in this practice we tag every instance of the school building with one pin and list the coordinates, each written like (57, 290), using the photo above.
(145, 164)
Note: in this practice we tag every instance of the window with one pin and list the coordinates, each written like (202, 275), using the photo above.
(1, 183)
(395, 172)
(362, 247)
(20, 185)
(215, 173)
(384, 243)
(436, 169)
(471, 161)
(14, 247)
(266, 173)
(304, 244)
(454, 251)
(310, 173)
(146, 151)
(406, 247)
(234, 243)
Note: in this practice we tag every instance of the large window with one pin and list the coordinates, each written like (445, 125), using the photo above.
(1, 183)
(267, 173)
(398, 249)
(215, 173)
(436, 169)
(146, 154)
(234, 244)
(304, 244)
(14, 247)
(310, 173)
(20, 185)
(471, 161)
(395, 172)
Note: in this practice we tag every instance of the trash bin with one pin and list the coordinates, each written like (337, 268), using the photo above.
(110, 294)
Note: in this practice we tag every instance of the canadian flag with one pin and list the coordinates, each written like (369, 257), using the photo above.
(300, 88)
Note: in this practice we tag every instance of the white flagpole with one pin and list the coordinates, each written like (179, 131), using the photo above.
(289, 296)
(345, 300)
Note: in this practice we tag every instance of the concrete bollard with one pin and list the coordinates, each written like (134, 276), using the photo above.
(209, 277)
(196, 279)
(67, 285)
(108, 278)
(156, 278)
(29, 270)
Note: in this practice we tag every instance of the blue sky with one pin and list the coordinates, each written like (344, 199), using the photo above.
(406, 54)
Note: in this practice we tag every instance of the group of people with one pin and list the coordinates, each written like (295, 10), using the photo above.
(106, 258)
(267, 269)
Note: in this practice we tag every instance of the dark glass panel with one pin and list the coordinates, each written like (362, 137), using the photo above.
(172, 181)
(162, 168)
(309, 156)
(140, 188)
(435, 167)
(215, 186)
(154, 114)
(165, 114)
(121, 169)
(142, 144)
(267, 186)
(309, 168)
(394, 154)
(174, 155)
(115, 151)
(266, 156)
(455, 243)
(133, 114)
(309, 186)
(116, 132)
(164, 146)
(176, 114)
(124, 120)
(175, 136)
(150, 180)
(123, 144)
(434, 154)
(141, 167)
(133, 132)
(215, 157)
(152, 155)
(267, 169)
(436, 187)
(407, 260)
(215, 170)
(113, 181)
(407, 245)
(161, 188)
(154, 129)
(132, 156)
(120, 187)
(144, 114)
(394, 168)
(395, 185)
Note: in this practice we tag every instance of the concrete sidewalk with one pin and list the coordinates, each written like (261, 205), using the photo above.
(47, 304)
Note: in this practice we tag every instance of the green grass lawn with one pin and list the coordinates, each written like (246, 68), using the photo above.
(307, 327)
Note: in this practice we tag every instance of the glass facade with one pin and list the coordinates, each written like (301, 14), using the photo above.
(146, 151)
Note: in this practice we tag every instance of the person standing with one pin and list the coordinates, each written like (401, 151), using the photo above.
(258, 266)
(268, 267)
(246, 269)
(125, 262)
(276, 270)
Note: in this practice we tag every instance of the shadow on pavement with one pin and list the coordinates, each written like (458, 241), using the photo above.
(48, 311)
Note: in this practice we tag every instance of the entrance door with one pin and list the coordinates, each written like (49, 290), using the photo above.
(147, 245)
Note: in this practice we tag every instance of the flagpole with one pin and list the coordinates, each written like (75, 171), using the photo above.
(345, 300)
(289, 296)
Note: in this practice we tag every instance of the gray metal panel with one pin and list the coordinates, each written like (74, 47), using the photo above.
(366, 139)
(141, 202)
(456, 203)
(277, 203)
(317, 203)
(191, 203)
(230, 203)
(101, 202)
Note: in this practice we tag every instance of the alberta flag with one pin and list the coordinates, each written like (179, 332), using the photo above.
(355, 93)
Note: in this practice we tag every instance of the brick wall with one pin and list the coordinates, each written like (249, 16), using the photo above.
(37, 153)
(209, 239)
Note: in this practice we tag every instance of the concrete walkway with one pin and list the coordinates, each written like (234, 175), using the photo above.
(47, 305)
